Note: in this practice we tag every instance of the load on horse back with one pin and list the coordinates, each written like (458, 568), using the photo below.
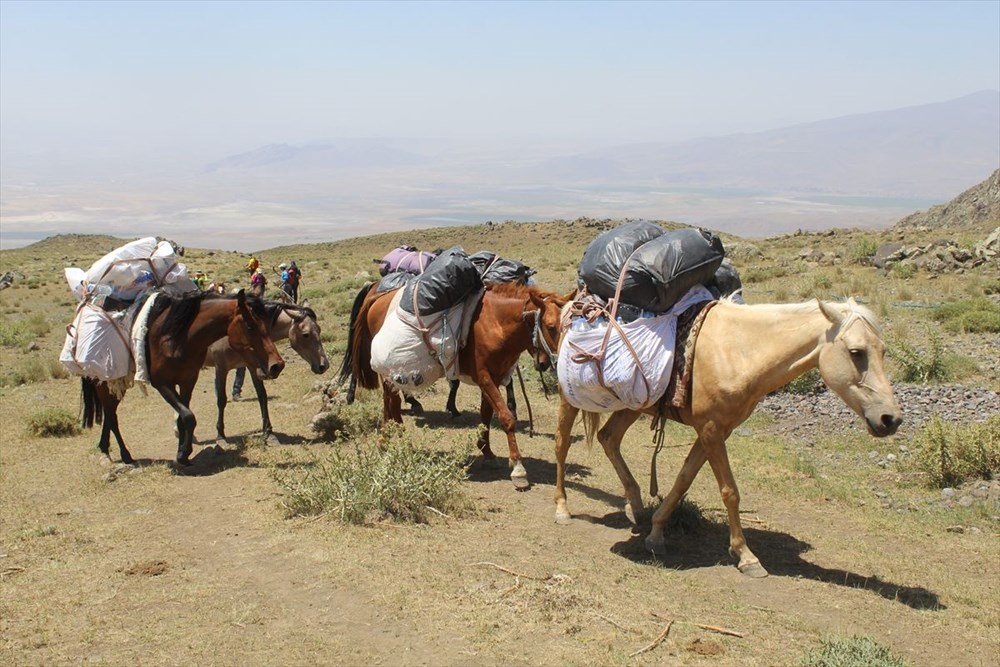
(711, 378)
(503, 321)
(179, 331)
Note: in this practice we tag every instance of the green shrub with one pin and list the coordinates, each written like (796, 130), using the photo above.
(52, 423)
(344, 422)
(904, 271)
(969, 316)
(855, 651)
(38, 325)
(916, 365)
(807, 383)
(864, 248)
(385, 477)
(13, 334)
(951, 454)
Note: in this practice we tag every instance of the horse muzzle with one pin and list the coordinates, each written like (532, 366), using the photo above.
(321, 367)
(884, 424)
(273, 371)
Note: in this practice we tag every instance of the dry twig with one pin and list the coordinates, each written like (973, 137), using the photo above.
(655, 642)
(511, 572)
(611, 621)
(721, 631)
(11, 570)
(437, 511)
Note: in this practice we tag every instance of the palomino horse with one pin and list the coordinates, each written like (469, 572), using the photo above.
(180, 330)
(298, 324)
(509, 320)
(741, 354)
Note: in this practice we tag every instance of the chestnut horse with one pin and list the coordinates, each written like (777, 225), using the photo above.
(510, 319)
(298, 324)
(741, 354)
(180, 329)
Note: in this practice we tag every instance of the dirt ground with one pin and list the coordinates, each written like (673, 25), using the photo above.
(103, 565)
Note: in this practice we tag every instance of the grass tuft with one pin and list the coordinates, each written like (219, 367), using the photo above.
(52, 423)
(344, 422)
(390, 476)
(950, 454)
(854, 651)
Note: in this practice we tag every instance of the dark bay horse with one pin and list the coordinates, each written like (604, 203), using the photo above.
(180, 330)
(742, 354)
(510, 319)
(298, 324)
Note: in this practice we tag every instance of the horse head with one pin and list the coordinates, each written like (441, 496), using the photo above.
(304, 336)
(545, 335)
(249, 335)
(852, 364)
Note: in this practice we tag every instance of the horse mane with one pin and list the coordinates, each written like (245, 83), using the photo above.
(850, 308)
(518, 291)
(184, 308)
(275, 308)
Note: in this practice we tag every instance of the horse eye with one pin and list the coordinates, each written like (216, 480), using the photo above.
(855, 352)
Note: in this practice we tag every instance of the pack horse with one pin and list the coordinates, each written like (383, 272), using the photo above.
(740, 355)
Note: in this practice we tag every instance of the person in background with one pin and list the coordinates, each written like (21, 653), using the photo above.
(238, 378)
(285, 287)
(201, 280)
(258, 283)
(291, 279)
(252, 265)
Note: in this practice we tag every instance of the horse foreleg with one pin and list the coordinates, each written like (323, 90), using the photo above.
(352, 388)
(265, 418)
(610, 436)
(719, 460)
(491, 397)
(221, 376)
(185, 422)
(692, 464)
(564, 429)
(452, 395)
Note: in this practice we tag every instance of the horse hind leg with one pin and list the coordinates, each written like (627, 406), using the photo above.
(656, 541)
(452, 395)
(564, 429)
(111, 424)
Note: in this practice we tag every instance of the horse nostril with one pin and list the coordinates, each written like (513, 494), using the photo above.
(891, 422)
(276, 370)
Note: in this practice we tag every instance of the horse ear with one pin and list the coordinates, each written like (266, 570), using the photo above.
(830, 313)
(305, 303)
(241, 298)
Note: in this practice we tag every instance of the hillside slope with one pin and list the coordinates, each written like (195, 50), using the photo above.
(976, 209)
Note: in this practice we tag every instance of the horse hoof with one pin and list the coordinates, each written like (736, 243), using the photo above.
(630, 515)
(271, 439)
(753, 570)
(563, 518)
(521, 483)
(657, 546)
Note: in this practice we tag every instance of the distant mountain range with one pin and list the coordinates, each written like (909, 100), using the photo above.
(930, 151)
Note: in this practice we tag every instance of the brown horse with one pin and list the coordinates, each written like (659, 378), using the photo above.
(509, 320)
(742, 354)
(298, 324)
(180, 329)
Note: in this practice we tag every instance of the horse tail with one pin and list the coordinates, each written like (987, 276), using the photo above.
(361, 347)
(591, 422)
(93, 410)
(346, 370)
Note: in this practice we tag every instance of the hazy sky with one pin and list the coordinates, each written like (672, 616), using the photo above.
(213, 78)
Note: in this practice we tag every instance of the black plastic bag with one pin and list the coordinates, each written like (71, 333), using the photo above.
(495, 269)
(447, 280)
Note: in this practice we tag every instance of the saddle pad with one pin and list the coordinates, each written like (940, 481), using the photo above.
(619, 379)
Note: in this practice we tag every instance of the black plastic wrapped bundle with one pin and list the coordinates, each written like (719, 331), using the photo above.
(447, 280)
(495, 269)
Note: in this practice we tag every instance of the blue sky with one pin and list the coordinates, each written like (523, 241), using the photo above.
(213, 78)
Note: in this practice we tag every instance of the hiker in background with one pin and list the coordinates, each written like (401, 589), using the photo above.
(251, 266)
(201, 281)
(258, 284)
(291, 281)
(285, 286)
(238, 377)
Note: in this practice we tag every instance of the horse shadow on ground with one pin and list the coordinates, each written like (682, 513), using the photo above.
(780, 553)
(469, 420)
(212, 457)
(493, 470)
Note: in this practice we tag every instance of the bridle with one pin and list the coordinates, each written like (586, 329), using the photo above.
(537, 335)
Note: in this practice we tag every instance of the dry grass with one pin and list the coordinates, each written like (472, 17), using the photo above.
(105, 565)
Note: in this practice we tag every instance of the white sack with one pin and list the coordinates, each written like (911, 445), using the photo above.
(400, 356)
(131, 269)
(653, 341)
(96, 345)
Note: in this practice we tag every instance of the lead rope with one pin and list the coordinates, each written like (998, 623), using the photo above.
(524, 393)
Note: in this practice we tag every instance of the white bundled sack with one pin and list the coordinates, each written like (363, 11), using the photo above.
(97, 345)
(132, 269)
(400, 353)
(628, 383)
